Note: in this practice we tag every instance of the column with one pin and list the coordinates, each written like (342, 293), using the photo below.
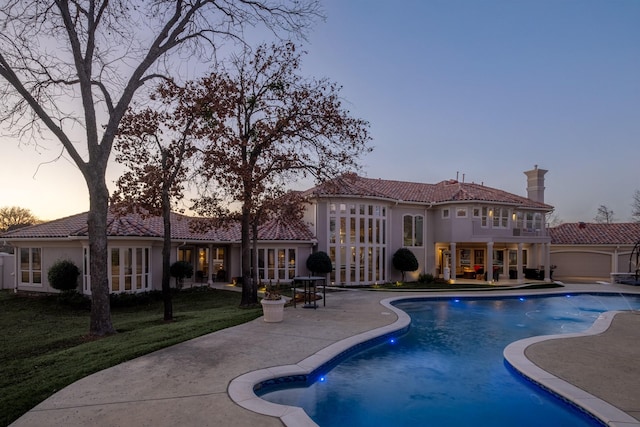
(210, 272)
(454, 261)
(489, 269)
(546, 247)
(520, 267)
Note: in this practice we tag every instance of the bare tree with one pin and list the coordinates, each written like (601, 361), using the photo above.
(635, 206)
(12, 217)
(553, 219)
(604, 215)
(68, 65)
(278, 126)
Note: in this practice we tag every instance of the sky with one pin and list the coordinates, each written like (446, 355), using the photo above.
(475, 90)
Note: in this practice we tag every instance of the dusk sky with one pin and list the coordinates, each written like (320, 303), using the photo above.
(483, 90)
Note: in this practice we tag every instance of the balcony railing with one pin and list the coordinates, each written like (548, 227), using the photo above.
(512, 233)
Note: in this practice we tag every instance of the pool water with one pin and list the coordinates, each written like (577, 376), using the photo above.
(448, 369)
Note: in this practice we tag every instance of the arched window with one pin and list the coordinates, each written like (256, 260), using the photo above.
(413, 226)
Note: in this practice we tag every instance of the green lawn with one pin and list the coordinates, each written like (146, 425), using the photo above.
(44, 347)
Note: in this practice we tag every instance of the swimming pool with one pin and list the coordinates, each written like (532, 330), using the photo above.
(448, 369)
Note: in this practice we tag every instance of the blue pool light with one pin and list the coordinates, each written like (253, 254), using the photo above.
(521, 299)
(322, 379)
(392, 340)
(456, 300)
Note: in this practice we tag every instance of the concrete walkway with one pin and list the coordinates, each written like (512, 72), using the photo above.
(188, 384)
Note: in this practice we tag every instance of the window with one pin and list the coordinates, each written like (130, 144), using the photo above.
(356, 235)
(528, 221)
(276, 264)
(500, 217)
(445, 213)
(465, 258)
(185, 254)
(31, 266)
(219, 268)
(413, 230)
(518, 218)
(461, 212)
(513, 258)
(129, 269)
(537, 221)
(476, 212)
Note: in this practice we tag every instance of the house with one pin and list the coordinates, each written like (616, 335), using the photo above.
(455, 229)
(135, 251)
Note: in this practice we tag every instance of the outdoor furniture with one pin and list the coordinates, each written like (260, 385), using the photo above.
(310, 287)
(469, 273)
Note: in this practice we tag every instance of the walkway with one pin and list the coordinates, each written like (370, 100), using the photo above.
(187, 384)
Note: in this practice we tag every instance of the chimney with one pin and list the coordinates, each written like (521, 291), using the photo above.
(535, 184)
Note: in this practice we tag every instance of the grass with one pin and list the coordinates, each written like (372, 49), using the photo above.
(44, 345)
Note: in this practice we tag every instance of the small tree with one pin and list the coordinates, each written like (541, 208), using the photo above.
(319, 262)
(404, 260)
(63, 276)
(180, 270)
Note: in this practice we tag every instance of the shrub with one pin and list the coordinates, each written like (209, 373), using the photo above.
(426, 278)
(180, 270)
(63, 275)
(75, 300)
(127, 299)
(319, 262)
(404, 260)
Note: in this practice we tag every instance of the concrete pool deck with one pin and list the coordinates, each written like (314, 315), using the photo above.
(190, 384)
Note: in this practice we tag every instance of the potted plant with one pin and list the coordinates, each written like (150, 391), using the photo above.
(272, 305)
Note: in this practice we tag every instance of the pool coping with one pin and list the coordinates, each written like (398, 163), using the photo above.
(515, 356)
(241, 389)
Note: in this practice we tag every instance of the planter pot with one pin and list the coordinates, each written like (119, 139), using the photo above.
(273, 310)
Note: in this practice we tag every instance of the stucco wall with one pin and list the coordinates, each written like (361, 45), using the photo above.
(589, 261)
(7, 271)
(51, 253)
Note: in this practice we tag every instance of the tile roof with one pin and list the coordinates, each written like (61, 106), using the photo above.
(443, 192)
(134, 225)
(587, 233)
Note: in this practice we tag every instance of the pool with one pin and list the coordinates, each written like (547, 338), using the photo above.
(448, 368)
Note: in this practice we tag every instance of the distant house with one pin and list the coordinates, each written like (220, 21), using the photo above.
(455, 229)
(592, 251)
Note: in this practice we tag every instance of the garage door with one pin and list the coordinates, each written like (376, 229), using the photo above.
(581, 264)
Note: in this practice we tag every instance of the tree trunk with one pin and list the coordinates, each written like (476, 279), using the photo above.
(166, 257)
(254, 262)
(100, 319)
(249, 294)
